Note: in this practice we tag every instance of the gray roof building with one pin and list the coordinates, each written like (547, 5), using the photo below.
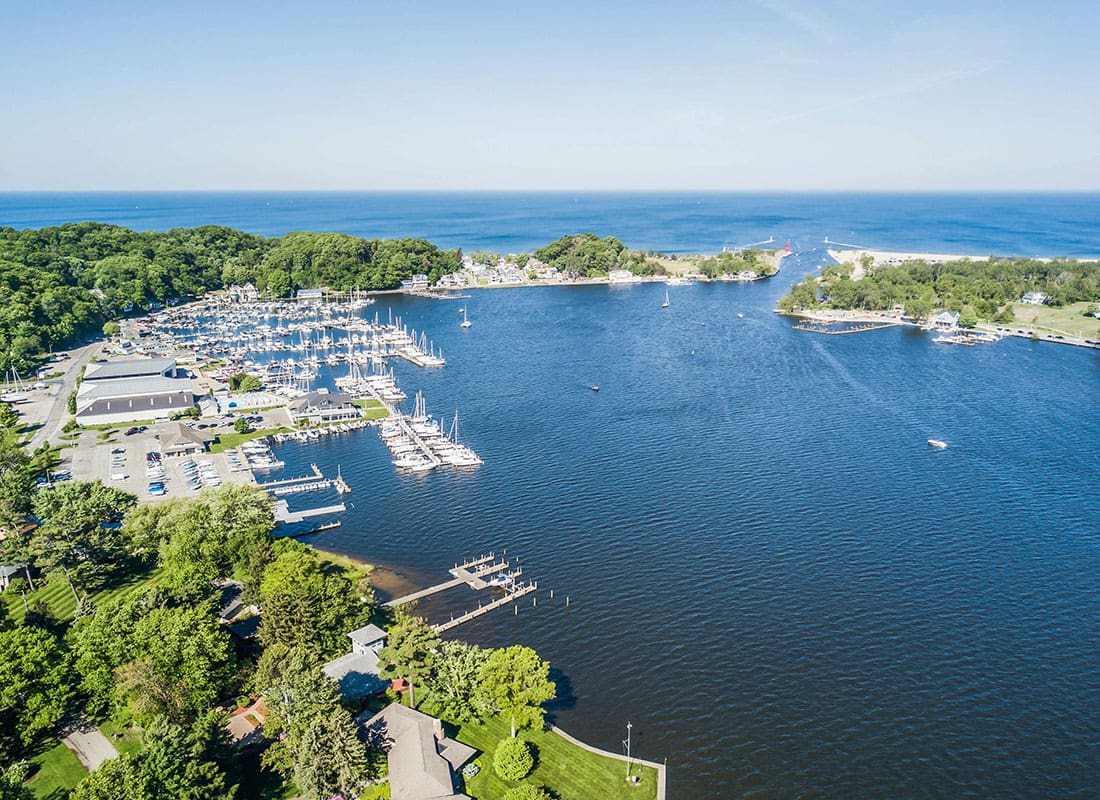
(422, 761)
(130, 368)
(356, 674)
(179, 439)
(112, 410)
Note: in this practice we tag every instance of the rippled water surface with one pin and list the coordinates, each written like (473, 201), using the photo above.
(770, 573)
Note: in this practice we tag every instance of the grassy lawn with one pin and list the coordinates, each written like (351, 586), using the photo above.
(1048, 319)
(227, 441)
(125, 738)
(56, 771)
(568, 771)
(372, 409)
(55, 591)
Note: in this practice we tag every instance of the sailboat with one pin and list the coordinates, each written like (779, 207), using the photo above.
(465, 322)
(665, 304)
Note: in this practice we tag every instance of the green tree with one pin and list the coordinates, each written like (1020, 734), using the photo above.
(516, 682)
(9, 417)
(315, 739)
(155, 658)
(240, 425)
(174, 762)
(455, 685)
(111, 328)
(72, 535)
(34, 681)
(11, 782)
(513, 759)
(303, 601)
(16, 486)
(410, 653)
(243, 382)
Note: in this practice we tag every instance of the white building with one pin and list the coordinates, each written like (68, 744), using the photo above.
(623, 276)
(317, 407)
(1034, 298)
(116, 392)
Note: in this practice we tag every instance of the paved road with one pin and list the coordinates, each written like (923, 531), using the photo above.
(59, 413)
(90, 746)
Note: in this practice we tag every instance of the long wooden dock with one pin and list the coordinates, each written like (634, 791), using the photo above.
(514, 594)
(471, 573)
(824, 327)
(317, 475)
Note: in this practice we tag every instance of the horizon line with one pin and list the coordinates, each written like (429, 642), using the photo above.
(976, 190)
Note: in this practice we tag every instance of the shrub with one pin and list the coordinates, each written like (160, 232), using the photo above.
(527, 791)
(513, 760)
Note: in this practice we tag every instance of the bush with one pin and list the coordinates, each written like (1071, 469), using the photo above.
(513, 760)
(527, 792)
(71, 403)
(70, 426)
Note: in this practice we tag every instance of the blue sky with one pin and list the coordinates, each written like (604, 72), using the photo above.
(772, 94)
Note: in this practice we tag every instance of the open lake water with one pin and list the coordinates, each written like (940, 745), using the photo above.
(770, 573)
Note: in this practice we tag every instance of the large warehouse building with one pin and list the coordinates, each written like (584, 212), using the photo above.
(116, 392)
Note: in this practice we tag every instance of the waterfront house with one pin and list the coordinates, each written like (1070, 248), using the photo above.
(243, 294)
(318, 407)
(178, 439)
(356, 674)
(945, 320)
(422, 761)
(1034, 298)
(622, 276)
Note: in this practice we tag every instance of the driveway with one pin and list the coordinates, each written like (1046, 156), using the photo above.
(90, 746)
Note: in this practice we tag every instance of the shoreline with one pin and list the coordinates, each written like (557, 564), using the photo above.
(887, 257)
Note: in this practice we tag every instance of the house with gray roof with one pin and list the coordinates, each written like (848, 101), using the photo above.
(318, 407)
(178, 439)
(356, 674)
(423, 762)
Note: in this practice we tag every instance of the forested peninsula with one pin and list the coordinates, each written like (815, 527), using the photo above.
(61, 284)
(978, 289)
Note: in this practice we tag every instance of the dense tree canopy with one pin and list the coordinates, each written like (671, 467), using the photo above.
(981, 288)
(60, 284)
(516, 682)
(34, 683)
(588, 255)
(303, 600)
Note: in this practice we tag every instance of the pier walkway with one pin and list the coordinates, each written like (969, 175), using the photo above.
(513, 594)
(284, 515)
(471, 573)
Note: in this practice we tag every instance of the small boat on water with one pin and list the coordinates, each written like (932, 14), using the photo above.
(465, 322)
(939, 444)
(665, 304)
(594, 388)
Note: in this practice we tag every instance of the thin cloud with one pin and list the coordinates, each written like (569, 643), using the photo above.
(908, 87)
(807, 18)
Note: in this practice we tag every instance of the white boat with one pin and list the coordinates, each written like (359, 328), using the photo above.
(465, 322)
(938, 444)
(665, 304)
(678, 280)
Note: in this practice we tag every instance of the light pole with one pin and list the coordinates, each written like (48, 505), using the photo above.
(628, 727)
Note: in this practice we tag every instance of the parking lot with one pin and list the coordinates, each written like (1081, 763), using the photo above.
(133, 463)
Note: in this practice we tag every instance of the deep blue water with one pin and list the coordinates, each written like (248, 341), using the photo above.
(770, 573)
(976, 224)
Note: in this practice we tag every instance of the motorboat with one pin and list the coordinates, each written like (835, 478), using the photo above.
(939, 444)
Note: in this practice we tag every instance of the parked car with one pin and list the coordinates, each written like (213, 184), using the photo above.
(130, 431)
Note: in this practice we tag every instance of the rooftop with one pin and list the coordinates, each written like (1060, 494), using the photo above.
(422, 760)
(130, 368)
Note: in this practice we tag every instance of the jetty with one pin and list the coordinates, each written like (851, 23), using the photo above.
(825, 327)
